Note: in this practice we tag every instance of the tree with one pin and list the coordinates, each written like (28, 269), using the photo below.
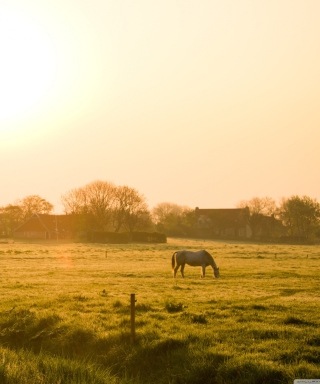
(34, 204)
(74, 201)
(188, 222)
(11, 216)
(100, 198)
(173, 219)
(161, 211)
(100, 204)
(262, 216)
(93, 204)
(301, 215)
(260, 205)
(130, 210)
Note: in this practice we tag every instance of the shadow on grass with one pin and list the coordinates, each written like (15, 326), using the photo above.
(292, 320)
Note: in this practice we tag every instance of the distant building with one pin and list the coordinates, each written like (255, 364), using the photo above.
(42, 226)
(229, 223)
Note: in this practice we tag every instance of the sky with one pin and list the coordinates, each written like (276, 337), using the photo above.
(199, 103)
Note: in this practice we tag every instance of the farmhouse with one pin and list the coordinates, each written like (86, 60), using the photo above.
(223, 223)
(43, 226)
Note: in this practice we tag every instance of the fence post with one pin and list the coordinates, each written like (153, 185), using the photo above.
(133, 331)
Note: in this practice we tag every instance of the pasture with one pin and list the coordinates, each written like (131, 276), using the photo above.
(65, 314)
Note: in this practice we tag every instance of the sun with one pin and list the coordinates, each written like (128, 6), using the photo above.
(27, 65)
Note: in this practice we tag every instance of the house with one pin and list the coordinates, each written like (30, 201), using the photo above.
(43, 226)
(223, 223)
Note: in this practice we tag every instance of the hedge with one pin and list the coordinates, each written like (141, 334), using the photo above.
(126, 237)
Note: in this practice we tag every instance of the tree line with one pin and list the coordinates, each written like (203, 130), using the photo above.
(104, 206)
(299, 216)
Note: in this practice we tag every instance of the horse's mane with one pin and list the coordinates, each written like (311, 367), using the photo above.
(208, 254)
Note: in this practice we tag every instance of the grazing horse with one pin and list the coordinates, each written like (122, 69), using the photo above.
(195, 259)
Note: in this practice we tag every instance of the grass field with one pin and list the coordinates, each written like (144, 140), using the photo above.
(65, 314)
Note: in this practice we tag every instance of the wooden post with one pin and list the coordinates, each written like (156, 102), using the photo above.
(133, 331)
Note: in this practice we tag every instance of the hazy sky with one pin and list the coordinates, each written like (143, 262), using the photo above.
(200, 103)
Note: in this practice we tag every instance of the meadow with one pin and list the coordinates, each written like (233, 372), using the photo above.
(65, 314)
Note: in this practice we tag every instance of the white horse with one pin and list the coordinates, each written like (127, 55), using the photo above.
(195, 259)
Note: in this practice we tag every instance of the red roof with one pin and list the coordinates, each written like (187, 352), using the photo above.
(225, 216)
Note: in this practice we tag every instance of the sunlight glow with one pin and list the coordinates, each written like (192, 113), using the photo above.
(27, 66)
(225, 92)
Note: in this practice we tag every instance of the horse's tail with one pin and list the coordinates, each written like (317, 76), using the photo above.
(173, 260)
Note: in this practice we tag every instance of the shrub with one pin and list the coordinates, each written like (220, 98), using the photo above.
(174, 307)
(109, 237)
(149, 237)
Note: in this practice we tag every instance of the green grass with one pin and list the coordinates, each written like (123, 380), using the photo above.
(65, 314)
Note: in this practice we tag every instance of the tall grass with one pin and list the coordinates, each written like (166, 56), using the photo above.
(65, 314)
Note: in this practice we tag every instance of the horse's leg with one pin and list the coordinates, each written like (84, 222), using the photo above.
(175, 270)
(182, 269)
(203, 271)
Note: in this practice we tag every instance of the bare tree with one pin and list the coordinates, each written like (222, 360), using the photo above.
(93, 203)
(263, 211)
(260, 205)
(74, 201)
(162, 210)
(173, 219)
(34, 204)
(100, 196)
(130, 210)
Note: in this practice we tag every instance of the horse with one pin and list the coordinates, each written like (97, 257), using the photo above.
(195, 259)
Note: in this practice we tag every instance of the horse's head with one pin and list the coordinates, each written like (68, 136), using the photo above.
(216, 273)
